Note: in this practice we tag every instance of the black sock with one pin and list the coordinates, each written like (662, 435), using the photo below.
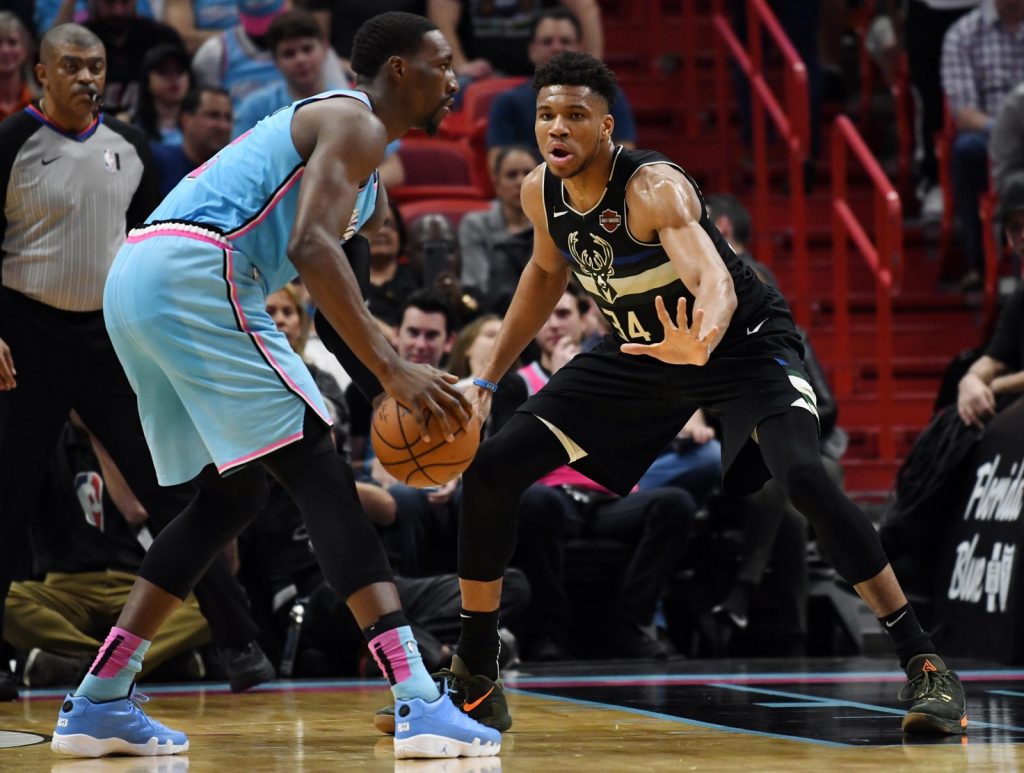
(479, 643)
(906, 633)
(384, 623)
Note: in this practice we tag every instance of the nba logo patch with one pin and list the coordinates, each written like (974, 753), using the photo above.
(610, 220)
(111, 160)
(89, 488)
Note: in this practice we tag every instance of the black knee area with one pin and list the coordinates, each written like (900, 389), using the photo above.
(504, 466)
(221, 508)
(844, 531)
(789, 446)
(322, 485)
(806, 484)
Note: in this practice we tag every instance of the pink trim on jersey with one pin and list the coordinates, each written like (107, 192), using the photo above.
(172, 231)
(229, 274)
(270, 204)
(257, 454)
(115, 653)
(389, 652)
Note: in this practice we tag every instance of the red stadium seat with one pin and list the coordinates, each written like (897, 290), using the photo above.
(476, 105)
(436, 168)
(453, 209)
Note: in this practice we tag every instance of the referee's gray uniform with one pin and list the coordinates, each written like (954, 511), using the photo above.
(67, 202)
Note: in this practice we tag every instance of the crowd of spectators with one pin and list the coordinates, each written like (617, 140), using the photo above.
(178, 81)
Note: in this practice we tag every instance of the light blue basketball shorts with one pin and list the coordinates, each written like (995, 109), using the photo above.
(216, 381)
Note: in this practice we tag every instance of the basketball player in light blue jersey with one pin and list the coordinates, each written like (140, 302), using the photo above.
(219, 388)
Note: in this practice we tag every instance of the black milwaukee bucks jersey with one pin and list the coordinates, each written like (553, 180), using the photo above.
(624, 275)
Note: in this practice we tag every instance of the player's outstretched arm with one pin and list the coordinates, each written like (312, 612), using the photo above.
(662, 201)
(541, 285)
(342, 143)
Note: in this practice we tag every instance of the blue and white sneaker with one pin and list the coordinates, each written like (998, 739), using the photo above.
(439, 729)
(87, 729)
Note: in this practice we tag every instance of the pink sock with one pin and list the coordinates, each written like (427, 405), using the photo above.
(398, 656)
(112, 673)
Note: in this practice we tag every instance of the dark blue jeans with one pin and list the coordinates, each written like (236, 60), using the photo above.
(969, 167)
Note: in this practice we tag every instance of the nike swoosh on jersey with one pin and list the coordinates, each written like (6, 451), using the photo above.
(751, 331)
(559, 214)
(47, 162)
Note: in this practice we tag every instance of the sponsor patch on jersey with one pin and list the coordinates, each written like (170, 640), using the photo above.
(610, 220)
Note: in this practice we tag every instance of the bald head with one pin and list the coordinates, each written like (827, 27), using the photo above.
(72, 68)
(65, 36)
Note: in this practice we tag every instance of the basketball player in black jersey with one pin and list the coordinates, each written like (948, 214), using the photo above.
(632, 227)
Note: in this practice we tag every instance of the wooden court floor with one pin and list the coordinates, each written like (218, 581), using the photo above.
(787, 716)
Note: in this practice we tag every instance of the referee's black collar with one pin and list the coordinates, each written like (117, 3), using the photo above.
(34, 111)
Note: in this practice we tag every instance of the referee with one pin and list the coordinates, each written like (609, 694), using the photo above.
(71, 182)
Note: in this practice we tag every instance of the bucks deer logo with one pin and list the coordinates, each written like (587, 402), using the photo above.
(595, 263)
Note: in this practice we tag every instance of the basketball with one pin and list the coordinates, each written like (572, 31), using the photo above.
(400, 448)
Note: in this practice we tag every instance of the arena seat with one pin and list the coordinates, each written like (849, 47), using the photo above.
(436, 168)
(451, 208)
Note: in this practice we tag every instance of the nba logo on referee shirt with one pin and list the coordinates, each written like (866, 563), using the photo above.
(610, 220)
(111, 160)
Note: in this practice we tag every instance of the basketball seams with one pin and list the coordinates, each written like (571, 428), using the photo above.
(408, 445)
(412, 464)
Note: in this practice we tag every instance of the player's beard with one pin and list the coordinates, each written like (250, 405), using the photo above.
(583, 165)
(433, 123)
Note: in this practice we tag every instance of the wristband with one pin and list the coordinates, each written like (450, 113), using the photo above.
(482, 382)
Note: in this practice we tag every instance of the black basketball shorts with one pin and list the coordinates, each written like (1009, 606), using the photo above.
(623, 409)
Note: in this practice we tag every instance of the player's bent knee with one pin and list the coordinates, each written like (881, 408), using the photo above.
(489, 470)
(805, 484)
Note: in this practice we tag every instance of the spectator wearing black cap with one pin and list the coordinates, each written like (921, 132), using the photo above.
(1000, 371)
(205, 120)
(165, 81)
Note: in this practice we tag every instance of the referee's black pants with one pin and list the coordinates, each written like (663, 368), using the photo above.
(65, 361)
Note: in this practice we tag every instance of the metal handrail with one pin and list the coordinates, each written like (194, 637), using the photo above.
(791, 117)
(883, 256)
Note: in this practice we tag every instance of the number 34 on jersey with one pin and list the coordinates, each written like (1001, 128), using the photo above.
(632, 330)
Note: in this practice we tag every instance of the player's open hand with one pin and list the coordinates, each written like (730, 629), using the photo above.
(682, 345)
(7, 371)
(424, 391)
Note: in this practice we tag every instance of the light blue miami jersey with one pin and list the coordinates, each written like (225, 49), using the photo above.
(243, 72)
(249, 191)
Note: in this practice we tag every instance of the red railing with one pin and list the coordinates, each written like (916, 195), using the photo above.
(791, 119)
(993, 252)
(899, 88)
(884, 257)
